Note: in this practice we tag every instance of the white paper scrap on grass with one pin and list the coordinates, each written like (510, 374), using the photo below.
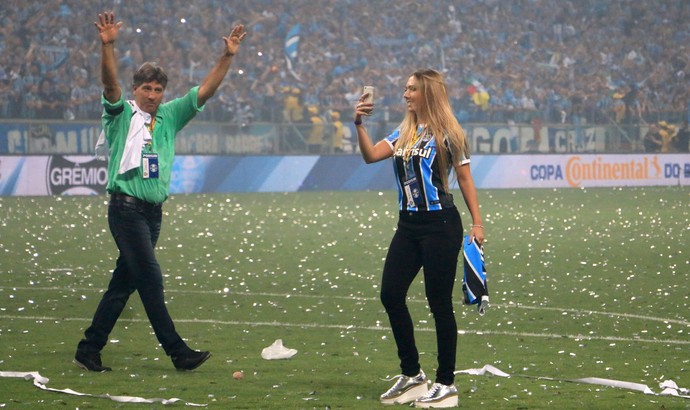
(40, 382)
(277, 351)
(26, 376)
(670, 388)
(484, 370)
(615, 383)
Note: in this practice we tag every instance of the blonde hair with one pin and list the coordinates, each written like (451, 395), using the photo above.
(441, 122)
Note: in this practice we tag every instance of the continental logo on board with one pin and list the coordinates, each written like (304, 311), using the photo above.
(578, 171)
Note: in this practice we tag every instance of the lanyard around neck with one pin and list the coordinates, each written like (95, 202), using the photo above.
(413, 143)
(152, 125)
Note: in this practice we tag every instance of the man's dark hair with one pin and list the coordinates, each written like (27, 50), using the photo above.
(149, 72)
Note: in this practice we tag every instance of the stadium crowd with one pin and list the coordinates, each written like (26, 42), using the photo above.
(555, 60)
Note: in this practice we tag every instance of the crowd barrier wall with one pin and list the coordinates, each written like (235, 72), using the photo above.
(199, 138)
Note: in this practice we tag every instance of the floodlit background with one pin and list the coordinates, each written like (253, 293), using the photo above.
(584, 282)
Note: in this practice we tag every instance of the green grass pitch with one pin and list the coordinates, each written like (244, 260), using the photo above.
(583, 282)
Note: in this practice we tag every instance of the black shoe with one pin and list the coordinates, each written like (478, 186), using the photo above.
(90, 362)
(190, 360)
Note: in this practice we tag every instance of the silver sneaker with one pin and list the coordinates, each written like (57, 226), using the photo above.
(406, 389)
(438, 396)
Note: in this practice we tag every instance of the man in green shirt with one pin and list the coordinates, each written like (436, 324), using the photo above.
(141, 139)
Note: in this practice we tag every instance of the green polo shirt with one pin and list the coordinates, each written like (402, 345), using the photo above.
(171, 117)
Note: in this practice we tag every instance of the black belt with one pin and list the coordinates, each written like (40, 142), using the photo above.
(118, 197)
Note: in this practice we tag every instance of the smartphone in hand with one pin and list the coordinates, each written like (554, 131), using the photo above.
(368, 89)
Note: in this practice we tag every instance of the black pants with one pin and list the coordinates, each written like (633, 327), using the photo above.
(431, 240)
(135, 226)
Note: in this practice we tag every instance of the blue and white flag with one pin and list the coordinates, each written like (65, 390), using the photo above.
(474, 286)
(291, 49)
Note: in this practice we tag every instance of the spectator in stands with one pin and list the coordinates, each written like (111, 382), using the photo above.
(652, 139)
(683, 137)
(63, 105)
(30, 101)
(667, 132)
(292, 111)
(81, 98)
(338, 132)
(316, 132)
(534, 144)
(49, 101)
(618, 107)
(5, 95)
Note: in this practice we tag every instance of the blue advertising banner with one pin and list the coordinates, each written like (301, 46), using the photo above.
(84, 175)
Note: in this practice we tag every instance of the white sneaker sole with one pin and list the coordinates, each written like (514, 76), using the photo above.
(409, 396)
(450, 401)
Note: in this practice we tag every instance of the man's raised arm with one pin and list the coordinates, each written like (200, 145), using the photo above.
(217, 74)
(107, 32)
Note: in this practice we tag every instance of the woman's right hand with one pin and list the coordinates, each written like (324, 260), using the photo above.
(363, 108)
